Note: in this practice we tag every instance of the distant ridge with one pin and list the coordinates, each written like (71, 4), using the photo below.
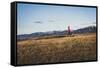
(89, 29)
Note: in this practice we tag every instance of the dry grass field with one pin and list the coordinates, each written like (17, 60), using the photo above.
(52, 50)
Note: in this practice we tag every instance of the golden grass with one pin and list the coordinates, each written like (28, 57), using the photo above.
(52, 50)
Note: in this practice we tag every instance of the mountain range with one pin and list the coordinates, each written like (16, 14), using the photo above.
(89, 29)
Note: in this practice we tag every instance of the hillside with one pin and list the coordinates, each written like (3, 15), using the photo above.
(90, 29)
(52, 50)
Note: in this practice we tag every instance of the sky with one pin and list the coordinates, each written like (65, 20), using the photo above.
(33, 18)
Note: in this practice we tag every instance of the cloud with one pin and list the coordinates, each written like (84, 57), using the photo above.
(88, 23)
(43, 21)
(38, 22)
(94, 23)
(50, 21)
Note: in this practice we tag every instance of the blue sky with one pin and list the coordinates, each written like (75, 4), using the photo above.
(33, 18)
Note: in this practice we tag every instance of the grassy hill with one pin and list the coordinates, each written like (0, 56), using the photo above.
(81, 47)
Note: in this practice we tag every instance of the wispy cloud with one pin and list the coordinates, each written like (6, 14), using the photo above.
(43, 21)
(88, 23)
(94, 23)
(38, 22)
(50, 20)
